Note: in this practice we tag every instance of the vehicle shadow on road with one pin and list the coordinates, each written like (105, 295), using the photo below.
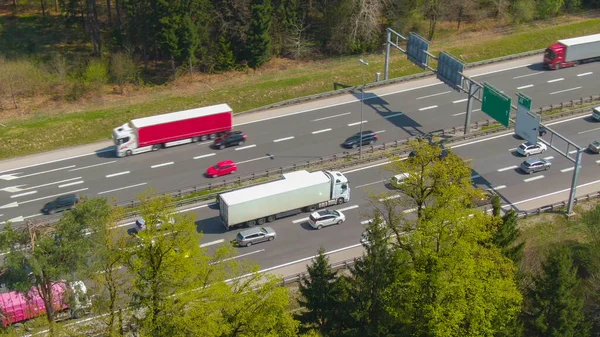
(107, 152)
(306, 226)
(536, 66)
(210, 226)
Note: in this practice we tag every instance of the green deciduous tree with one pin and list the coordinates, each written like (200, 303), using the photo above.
(259, 38)
(40, 256)
(556, 305)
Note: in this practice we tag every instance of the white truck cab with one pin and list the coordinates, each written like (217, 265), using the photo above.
(126, 142)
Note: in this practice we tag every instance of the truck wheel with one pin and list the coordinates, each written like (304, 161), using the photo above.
(557, 66)
(251, 223)
(128, 153)
(271, 218)
(155, 147)
(212, 136)
(203, 138)
(261, 221)
(195, 139)
(312, 208)
(340, 201)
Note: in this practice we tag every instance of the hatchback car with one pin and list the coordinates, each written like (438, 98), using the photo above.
(254, 235)
(61, 203)
(398, 179)
(527, 149)
(230, 139)
(221, 169)
(594, 146)
(324, 218)
(368, 137)
(140, 224)
(535, 165)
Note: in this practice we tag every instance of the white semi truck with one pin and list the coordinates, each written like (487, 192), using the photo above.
(296, 192)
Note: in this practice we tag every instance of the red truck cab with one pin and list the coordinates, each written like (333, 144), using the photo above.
(554, 57)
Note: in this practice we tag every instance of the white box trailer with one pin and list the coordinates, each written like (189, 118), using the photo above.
(296, 192)
(581, 48)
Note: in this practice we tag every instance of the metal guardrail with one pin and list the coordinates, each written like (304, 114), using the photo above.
(557, 206)
(348, 158)
(387, 82)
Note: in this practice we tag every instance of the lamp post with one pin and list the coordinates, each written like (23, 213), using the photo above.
(362, 100)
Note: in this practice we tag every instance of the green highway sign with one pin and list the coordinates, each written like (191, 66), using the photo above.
(496, 104)
(524, 101)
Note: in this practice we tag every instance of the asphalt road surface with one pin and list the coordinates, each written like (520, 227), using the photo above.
(302, 135)
(493, 161)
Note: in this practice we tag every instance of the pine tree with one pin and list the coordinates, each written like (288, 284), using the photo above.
(259, 39)
(557, 308)
(319, 294)
(506, 236)
(224, 58)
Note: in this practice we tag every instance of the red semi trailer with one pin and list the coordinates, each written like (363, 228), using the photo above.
(570, 52)
(176, 128)
(16, 307)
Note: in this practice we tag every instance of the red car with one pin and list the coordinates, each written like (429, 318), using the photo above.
(221, 169)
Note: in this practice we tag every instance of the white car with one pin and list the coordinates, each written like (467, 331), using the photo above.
(324, 218)
(527, 149)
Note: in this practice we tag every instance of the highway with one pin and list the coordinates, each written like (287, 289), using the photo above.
(303, 135)
(493, 161)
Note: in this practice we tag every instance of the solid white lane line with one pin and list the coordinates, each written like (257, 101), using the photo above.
(533, 178)
(90, 166)
(18, 188)
(507, 168)
(597, 161)
(251, 160)
(216, 242)
(163, 164)
(428, 108)
(475, 176)
(324, 118)
(566, 120)
(122, 188)
(204, 156)
(567, 169)
(460, 100)
(525, 86)
(499, 187)
(282, 139)
(561, 91)
(380, 131)
(549, 158)
(555, 80)
(441, 93)
(373, 183)
(549, 194)
(541, 72)
(353, 124)
(366, 167)
(48, 171)
(320, 131)
(585, 74)
(117, 174)
(246, 147)
(238, 256)
(23, 194)
(71, 184)
(586, 131)
(394, 115)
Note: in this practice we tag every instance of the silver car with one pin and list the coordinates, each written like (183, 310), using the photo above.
(324, 218)
(594, 146)
(527, 149)
(254, 235)
(535, 165)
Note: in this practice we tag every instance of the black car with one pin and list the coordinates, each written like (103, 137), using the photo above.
(443, 155)
(542, 131)
(230, 139)
(368, 137)
(61, 203)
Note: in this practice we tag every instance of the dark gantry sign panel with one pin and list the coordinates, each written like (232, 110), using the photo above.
(416, 48)
(449, 70)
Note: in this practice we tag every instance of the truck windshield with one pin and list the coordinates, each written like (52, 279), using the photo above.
(122, 140)
(549, 54)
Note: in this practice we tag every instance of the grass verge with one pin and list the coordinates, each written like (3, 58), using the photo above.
(244, 91)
